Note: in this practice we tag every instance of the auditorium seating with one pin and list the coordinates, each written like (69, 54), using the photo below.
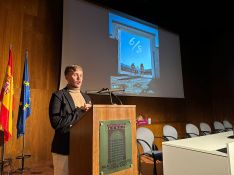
(169, 133)
(227, 125)
(219, 127)
(145, 138)
(205, 128)
(192, 130)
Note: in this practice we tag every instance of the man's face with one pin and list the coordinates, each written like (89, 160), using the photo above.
(74, 79)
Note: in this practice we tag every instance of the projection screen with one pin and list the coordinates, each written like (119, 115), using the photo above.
(118, 51)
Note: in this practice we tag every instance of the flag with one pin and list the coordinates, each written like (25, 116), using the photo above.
(25, 101)
(6, 100)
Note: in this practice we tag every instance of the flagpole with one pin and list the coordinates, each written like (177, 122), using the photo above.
(22, 167)
(24, 112)
(3, 160)
(23, 157)
(3, 153)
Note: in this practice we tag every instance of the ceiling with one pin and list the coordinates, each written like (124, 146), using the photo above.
(176, 16)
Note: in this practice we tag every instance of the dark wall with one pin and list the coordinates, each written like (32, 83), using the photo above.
(222, 74)
(196, 69)
(207, 61)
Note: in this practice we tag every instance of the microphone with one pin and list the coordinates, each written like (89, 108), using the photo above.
(110, 92)
(106, 90)
(95, 91)
(103, 89)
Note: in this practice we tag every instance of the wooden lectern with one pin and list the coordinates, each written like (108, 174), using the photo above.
(84, 139)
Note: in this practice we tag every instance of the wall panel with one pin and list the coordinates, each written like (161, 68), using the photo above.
(34, 25)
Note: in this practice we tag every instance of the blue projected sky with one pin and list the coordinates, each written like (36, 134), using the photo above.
(134, 49)
(138, 63)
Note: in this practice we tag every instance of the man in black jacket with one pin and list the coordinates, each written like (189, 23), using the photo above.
(66, 107)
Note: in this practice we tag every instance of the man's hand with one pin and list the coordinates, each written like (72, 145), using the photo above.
(86, 106)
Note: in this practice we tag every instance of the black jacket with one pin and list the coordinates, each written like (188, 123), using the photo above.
(63, 114)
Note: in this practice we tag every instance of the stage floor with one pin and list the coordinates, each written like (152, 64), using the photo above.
(146, 169)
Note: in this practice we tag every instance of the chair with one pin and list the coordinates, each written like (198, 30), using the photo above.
(227, 125)
(205, 128)
(145, 138)
(192, 130)
(219, 127)
(169, 133)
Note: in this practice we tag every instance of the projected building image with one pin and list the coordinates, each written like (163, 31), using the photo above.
(134, 55)
(138, 58)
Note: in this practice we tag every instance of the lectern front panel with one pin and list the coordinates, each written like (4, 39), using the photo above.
(115, 146)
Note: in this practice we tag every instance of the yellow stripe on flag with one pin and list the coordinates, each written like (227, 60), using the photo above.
(6, 99)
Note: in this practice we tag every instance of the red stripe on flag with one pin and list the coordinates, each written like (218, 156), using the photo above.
(6, 98)
(5, 122)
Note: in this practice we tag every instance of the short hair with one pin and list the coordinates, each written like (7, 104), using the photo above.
(72, 68)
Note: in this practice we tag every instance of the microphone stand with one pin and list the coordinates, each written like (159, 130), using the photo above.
(106, 90)
(116, 96)
(110, 94)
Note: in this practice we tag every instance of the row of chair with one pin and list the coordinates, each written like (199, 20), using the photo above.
(170, 133)
(145, 137)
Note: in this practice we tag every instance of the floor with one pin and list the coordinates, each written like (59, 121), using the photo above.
(147, 166)
(146, 169)
(43, 170)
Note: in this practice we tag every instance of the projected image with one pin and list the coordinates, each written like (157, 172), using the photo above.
(138, 62)
(118, 51)
(135, 55)
(132, 85)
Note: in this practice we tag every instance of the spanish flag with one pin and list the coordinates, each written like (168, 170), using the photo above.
(6, 100)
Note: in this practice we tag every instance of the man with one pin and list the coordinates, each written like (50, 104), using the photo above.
(66, 107)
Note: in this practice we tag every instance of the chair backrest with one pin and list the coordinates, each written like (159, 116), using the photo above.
(218, 126)
(170, 133)
(228, 126)
(146, 135)
(192, 130)
(205, 128)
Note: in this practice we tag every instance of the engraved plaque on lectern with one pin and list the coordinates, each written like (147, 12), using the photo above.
(115, 146)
